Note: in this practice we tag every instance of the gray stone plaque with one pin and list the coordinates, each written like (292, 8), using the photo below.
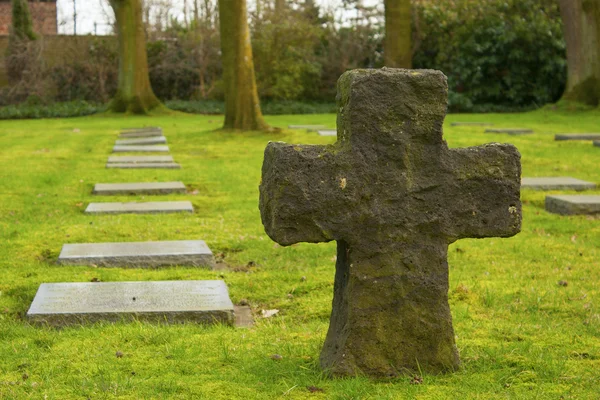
(141, 141)
(327, 132)
(309, 128)
(556, 183)
(577, 136)
(141, 149)
(510, 131)
(143, 165)
(138, 254)
(140, 134)
(470, 124)
(139, 188)
(140, 159)
(573, 204)
(60, 304)
(597, 143)
(151, 207)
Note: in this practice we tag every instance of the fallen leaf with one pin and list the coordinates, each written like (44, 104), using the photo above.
(268, 313)
(276, 357)
(416, 380)
(314, 389)
(119, 354)
(563, 283)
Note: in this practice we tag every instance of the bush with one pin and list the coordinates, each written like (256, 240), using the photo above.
(507, 55)
(33, 108)
(268, 108)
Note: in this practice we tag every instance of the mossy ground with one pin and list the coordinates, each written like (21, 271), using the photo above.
(520, 333)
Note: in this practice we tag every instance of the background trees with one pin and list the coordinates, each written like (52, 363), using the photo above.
(397, 43)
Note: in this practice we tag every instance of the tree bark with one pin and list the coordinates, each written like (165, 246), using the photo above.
(397, 49)
(242, 108)
(134, 93)
(581, 24)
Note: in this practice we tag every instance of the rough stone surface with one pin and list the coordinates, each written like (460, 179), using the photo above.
(577, 136)
(140, 149)
(140, 159)
(573, 204)
(556, 183)
(142, 141)
(144, 166)
(597, 143)
(327, 132)
(393, 196)
(139, 188)
(510, 131)
(138, 254)
(307, 127)
(140, 134)
(60, 304)
(470, 124)
(150, 207)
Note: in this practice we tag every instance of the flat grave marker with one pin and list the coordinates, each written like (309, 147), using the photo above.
(141, 149)
(307, 127)
(139, 188)
(577, 136)
(597, 143)
(556, 183)
(138, 254)
(327, 132)
(150, 207)
(140, 159)
(143, 165)
(142, 129)
(470, 124)
(573, 204)
(515, 131)
(140, 134)
(74, 303)
(141, 141)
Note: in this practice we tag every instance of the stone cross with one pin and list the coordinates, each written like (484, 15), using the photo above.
(393, 196)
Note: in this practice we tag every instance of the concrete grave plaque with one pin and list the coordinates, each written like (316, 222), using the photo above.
(151, 207)
(573, 204)
(139, 188)
(138, 254)
(143, 129)
(141, 149)
(327, 132)
(470, 124)
(556, 183)
(510, 131)
(60, 304)
(140, 134)
(597, 143)
(307, 127)
(142, 141)
(143, 165)
(577, 136)
(393, 196)
(140, 159)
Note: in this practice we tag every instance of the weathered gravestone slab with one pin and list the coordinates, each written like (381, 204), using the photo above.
(556, 183)
(151, 207)
(142, 129)
(393, 196)
(60, 304)
(141, 134)
(139, 188)
(597, 143)
(577, 136)
(510, 131)
(140, 149)
(138, 254)
(141, 141)
(307, 127)
(573, 204)
(140, 159)
(144, 166)
(327, 132)
(470, 124)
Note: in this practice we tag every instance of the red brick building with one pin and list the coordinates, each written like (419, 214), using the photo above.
(43, 14)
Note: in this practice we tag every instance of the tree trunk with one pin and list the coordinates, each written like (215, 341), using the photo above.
(242, 108)
(134, 93)
(397, 49)
(581, 21)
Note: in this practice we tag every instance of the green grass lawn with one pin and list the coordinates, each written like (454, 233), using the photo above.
(520, 334)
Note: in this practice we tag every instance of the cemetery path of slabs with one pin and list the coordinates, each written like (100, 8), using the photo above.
(525, 309)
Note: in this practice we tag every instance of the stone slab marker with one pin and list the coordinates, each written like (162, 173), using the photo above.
(470, 124)
(140, 134)
(327, 132)
(143, 165)
(556, 183)
(141, 149)
(141, 141)
(143, 129)
(138, 254)
(577, 136)
(150, 207)
(60, 304)
(393, 196)
(597, 143)
(139, 188)
(573, 204)
(510, 131)
(140, 159)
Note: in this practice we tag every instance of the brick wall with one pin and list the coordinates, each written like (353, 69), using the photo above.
(43, 15)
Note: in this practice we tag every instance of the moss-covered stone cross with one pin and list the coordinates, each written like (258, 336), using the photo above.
(393, 196)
